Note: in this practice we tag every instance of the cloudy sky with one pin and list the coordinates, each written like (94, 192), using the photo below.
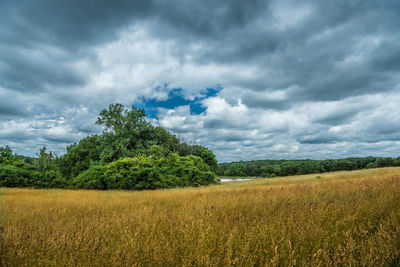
(248, 79)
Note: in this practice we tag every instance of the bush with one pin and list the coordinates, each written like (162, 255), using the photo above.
(12, 176)
(92, 178)
(58, 182)
(371, 165)
(155, 171)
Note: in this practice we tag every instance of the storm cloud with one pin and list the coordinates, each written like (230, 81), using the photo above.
(289, 79)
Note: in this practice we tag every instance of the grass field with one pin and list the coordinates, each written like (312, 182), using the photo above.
(342, 218)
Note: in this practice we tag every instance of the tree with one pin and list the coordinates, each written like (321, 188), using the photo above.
(207, 156)
(126, 132)
(80, 156)
(45, 163)
(269, 171)
(385, 162)
(5, 155)
(309, 166)
(237, 169)
(289, 168)
(165, 139)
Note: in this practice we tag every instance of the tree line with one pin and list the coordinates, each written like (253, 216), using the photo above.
(272, 168)
(131, 153)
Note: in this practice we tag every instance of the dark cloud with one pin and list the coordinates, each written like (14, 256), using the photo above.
(11, 110)
(71, 24)
(221, 124)
(22, 72)
(209, 19)
(60, 139)
(251, 32)
(42, 40)
(319, 139)
(384, 127)
(338, 117)
(230, 138)
(256, 101)
(292, 76)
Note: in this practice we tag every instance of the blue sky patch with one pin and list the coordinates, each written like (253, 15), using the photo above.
(176, 99)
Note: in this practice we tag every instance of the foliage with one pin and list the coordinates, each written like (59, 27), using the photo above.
(13, 176)
(92, 178)
(80, 157)
(272, 168)
(5, 155)
(17, 171)
(162, 137)
(46, 165)
(125, 132)
(158, 171)
(206, 155)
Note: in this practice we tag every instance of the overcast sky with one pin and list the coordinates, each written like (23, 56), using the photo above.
(248, 79)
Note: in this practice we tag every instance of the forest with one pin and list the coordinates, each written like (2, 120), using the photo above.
(131, 153)
(273, 168)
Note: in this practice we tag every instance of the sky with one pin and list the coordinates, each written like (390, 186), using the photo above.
(279, 79)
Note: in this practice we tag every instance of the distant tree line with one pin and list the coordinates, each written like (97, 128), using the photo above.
(272, 168)
(131, 153)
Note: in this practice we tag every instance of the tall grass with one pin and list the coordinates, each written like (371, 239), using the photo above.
(344, 218)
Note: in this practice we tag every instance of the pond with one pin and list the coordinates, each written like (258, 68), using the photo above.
(224, 179)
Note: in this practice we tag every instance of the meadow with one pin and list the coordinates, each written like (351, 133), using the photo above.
(334, 219)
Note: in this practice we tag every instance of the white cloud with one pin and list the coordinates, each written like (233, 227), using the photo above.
(243, 133)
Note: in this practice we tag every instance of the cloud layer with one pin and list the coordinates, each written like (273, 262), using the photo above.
(294, 79)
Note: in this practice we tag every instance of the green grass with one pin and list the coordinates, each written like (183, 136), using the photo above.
(341, 218)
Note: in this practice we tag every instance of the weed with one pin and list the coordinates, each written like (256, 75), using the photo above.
(346, 218)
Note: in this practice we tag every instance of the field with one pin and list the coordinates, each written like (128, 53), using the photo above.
(342, 218)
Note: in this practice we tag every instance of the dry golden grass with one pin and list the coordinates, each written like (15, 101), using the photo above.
(343, 218)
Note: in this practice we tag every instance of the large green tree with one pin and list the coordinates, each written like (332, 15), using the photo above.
(80, 156)
(126, 132)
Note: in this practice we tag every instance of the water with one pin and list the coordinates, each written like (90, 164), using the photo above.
(223, 180)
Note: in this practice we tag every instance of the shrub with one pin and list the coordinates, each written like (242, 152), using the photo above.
(371, 165)
(92, 178)
(158, 171)
(12, 176)
(58, 182)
